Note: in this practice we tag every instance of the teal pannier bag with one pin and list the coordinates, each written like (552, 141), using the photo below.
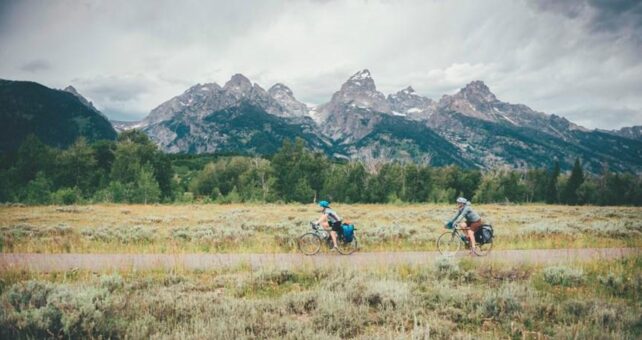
(348, 232)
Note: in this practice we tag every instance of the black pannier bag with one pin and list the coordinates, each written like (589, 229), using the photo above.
(484, 234)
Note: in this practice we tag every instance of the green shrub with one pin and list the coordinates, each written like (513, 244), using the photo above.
(124, 235)
(380, 293)
(111, 282)
(447, 267)
(502, 303)
(41, 309)
(186, 197)
(67, 196)
(336, 316)
(605, 316)
(38, 191)
(563, 276)
(575, 310)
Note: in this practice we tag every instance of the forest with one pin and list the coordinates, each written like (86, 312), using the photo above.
(133, 170)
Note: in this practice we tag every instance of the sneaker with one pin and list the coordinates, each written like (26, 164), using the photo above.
(334, 249)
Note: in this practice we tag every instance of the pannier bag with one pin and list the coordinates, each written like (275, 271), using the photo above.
(484, 234)
(348, 232)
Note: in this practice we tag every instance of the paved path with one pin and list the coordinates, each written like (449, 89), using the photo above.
(97, 262)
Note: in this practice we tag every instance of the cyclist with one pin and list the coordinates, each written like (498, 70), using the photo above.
(472, 221)
(330, 220)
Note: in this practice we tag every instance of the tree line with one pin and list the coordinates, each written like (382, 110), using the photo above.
(133, 170)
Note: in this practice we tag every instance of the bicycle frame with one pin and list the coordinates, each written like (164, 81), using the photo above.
(460, 236)
(323, 236)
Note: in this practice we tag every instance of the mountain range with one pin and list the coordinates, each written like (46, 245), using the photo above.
(56, 117)
(471, 128)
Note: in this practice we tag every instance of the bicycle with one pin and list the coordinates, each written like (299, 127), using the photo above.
(449, 242)
(310, 242)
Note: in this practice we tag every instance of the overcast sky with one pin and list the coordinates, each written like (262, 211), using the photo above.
(575, 58)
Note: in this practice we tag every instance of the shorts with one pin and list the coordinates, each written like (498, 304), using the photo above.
(474, 226)
(336, 226)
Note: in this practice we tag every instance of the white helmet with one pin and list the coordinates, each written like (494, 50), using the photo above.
(462, 200)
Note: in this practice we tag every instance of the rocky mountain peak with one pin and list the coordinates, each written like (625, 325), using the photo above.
(405, 93)
(284, 96)
(360, 81)
(408, 90)
(361, 75)
(278, 89)
(407, 102)
(82, 99)
(203, 88)
(632, 132)
(359, 91)
(238, 83)
(478, 91)
(71, 90)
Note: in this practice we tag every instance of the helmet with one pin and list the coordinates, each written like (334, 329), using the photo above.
(462, 200)
(324, 204)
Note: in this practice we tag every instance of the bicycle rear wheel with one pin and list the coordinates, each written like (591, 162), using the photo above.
(309, 243)
(449, 243)
(483, 249)
(345, 248)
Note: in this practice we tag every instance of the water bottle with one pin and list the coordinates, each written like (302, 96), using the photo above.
(324, 234)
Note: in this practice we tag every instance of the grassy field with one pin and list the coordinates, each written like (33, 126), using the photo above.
(274, 228)
(448, 299)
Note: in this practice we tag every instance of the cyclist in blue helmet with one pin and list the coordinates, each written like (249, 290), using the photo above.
(330, 220)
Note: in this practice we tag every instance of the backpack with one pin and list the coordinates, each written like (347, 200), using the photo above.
(484, 234)
(348, 232)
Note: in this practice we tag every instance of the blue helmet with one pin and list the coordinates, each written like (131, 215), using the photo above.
(324, 204)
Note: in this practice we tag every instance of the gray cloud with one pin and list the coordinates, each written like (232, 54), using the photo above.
(35, 66)
(117, 89)
(576, 58)
(605, 116)
(619, 16)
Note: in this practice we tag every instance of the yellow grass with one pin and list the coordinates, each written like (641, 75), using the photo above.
(274, 228)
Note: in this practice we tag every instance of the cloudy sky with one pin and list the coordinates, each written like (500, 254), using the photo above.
(576, 58)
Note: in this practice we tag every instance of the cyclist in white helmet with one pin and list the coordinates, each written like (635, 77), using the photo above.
(471, 220)
(330, 220)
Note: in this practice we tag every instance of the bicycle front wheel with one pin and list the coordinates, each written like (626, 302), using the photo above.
(309, 243)
(346, 248)
(448, 243)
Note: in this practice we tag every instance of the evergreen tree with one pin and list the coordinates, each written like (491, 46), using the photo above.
(551, 187)
(146, 189)
(569, 195)
(299, 174)
(33, 157)
(76, 167)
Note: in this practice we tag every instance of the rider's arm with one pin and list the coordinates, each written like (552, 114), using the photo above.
(321, 219)
(457, 217)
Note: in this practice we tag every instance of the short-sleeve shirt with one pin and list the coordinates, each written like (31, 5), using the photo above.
(333, 217)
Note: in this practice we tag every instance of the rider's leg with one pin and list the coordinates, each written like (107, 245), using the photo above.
(333, 234)
(470, 233)
(471, 237)
(324, 223)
